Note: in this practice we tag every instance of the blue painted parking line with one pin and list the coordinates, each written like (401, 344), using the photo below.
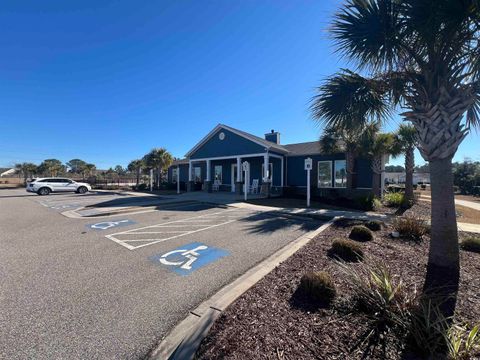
(104, 225)
(188, 258)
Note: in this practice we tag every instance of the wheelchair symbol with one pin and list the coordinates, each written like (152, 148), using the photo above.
(108, 224)
(190, 257)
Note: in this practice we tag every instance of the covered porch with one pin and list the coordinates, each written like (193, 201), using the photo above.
(225, 174)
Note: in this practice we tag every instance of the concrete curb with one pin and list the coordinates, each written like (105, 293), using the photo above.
(183, 341)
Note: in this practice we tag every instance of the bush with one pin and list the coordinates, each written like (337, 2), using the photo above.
(471, 243)
(319, 286)
(346, 250)
(411, 228)
(361, 233)
(379, 293)
(374, 225)
(395, 199)
(142, 187)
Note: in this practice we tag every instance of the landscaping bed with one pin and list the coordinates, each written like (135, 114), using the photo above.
(464, 214)
(273, 320)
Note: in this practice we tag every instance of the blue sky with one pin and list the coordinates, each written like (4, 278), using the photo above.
(106, 81)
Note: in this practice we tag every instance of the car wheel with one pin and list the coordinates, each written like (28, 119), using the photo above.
(43, 191)
(82, 190)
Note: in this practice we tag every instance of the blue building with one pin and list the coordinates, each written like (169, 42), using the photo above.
(215, 164)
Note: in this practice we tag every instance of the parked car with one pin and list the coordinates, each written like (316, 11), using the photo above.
(44, 186)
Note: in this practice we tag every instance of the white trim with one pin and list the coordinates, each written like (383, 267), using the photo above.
(228, 157)
(275, 155)
(331, 174)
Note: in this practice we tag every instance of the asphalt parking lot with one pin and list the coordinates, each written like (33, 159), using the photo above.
(112, 288)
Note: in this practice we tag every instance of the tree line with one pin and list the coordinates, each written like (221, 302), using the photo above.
(157, 159)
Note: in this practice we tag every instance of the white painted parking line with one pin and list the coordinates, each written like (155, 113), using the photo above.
(131, 238)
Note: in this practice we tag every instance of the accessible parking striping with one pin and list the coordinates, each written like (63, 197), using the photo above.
(104, 225)
(153, 234)
(188, 258)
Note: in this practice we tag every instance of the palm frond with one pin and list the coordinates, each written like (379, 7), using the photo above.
(348, 100)
(367, 31)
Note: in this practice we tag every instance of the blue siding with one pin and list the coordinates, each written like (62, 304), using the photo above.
(232, 145)
(183, 173)
(297, 175)
(364, 173)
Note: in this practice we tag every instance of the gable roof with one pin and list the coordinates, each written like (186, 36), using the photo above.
(258, 140)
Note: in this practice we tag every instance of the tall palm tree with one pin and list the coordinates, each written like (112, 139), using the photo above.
(405, 142)
(27, 170)
(136, 166)
(424, 56)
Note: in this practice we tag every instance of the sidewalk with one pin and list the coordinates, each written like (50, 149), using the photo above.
(466, 203)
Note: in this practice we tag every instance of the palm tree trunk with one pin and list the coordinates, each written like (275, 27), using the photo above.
(158, 177)
(409, 166)
(443, 270)
(350, 164)
(138, 177)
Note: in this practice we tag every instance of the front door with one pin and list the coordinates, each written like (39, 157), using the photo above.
(233, 178)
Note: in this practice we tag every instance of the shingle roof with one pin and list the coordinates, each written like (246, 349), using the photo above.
(306, 148)
(180, 162)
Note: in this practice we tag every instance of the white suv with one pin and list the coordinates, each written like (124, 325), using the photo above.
(44, 186)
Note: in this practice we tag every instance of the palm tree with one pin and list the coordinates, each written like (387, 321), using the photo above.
(27, 170)
(375, 146)
(405, 142)
(159, 159)
(424, 56)
(52, 167)
(136, 166)
(336, 140)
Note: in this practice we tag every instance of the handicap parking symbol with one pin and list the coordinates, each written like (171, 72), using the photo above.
(104, 225)
(188, 258)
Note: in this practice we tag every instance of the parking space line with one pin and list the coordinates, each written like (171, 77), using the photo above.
(188, 223)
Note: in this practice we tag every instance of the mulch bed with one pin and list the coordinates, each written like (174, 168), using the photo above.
(422, 210)
(273, 321)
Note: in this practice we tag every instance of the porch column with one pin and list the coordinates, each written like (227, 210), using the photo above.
(281, 174)
(190, 185)
(208, 180)
(266, 184)
(238, 182)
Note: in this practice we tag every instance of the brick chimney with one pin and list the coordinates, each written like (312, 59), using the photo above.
(273, 136)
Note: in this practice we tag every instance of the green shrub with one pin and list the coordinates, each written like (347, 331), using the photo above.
(435, 334)
(346, 250)
(319, 286)
(411, 228)
(379, 293)
(471, 243)
(395, 199)
(361, 233)
(364, 202)
(374, 225)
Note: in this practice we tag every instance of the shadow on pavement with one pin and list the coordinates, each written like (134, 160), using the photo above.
(265, 223)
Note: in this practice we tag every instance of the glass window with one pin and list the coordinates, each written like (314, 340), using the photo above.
(324, 174)
(270, 171)
(340, 173)
(197, 174)
(174, 175)
(218, 173)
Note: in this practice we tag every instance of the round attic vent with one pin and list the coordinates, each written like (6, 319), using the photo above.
(221, 136)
